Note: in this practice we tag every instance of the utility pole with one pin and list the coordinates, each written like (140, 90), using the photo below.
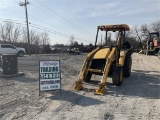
(25, 5)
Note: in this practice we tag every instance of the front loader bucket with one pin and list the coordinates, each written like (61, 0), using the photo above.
(78, 85)
(100, 90)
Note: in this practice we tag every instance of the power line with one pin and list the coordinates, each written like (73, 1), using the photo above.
(12, 20)
(46, 30)
(46, 23)
(62, 19)
(32, 17)
(55, 32)
(35, 26)
(31, 24)
(61, 34)
(12, 11)
(47, 12)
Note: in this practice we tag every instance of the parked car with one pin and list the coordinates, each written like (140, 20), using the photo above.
(11, 49)
(74, 51)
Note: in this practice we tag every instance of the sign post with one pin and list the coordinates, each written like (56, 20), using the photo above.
(49, 75)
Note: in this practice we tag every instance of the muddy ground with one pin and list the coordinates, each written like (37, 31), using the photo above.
(137, 98)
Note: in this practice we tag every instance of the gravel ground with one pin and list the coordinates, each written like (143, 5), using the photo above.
(137, 98)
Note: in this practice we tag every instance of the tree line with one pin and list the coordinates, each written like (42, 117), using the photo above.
(138, 34)
(11, 33)
(15, 34)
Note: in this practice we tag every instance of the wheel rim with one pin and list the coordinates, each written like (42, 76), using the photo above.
(20, 54)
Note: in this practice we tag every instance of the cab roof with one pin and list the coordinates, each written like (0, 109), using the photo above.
(116, 27)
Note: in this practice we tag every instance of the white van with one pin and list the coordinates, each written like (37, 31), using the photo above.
(11, 49)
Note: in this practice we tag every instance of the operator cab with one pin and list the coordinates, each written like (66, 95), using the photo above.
(119, 30)
(154, 40)
(154, 35)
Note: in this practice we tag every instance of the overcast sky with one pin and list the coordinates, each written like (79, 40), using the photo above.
(81, 17)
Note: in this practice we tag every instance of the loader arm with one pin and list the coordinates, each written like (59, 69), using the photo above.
(101, 89)
(78, 84)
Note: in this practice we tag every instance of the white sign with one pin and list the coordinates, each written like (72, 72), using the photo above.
(49, 75)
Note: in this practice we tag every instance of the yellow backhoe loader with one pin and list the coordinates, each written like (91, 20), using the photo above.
(109, 60)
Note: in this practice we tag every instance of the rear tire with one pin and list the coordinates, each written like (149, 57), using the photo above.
(87, 77)
(110, 72)
(117, 77)
(127, 65)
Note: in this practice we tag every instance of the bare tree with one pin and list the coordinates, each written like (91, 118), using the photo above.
(32, 36)
(44, 38)
(6, 31)
(156, 26)
(16, 34)
(2, 33)
(71, 40)
(137, 33)
(9, 32)
(24, 35)
(37, 43)
(145, 30)
(109, 41)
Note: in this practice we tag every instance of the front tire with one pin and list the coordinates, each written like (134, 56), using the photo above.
(20, 53)
(117, 77)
